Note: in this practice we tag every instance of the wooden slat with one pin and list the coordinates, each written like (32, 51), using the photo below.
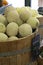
(13, 60)
(5, 61)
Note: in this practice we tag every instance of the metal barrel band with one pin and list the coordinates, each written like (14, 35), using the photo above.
(15, 52)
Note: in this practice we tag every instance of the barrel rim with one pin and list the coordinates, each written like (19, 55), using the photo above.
(40, 57)
(21, 38)
(40, 17)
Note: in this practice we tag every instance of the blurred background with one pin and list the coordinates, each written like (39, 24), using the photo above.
(20, 3)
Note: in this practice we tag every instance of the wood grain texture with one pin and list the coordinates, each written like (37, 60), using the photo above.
(21, 58)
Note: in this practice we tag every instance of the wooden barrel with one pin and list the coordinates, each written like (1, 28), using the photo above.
(16, 52)
(40, 61)
(41, 27)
